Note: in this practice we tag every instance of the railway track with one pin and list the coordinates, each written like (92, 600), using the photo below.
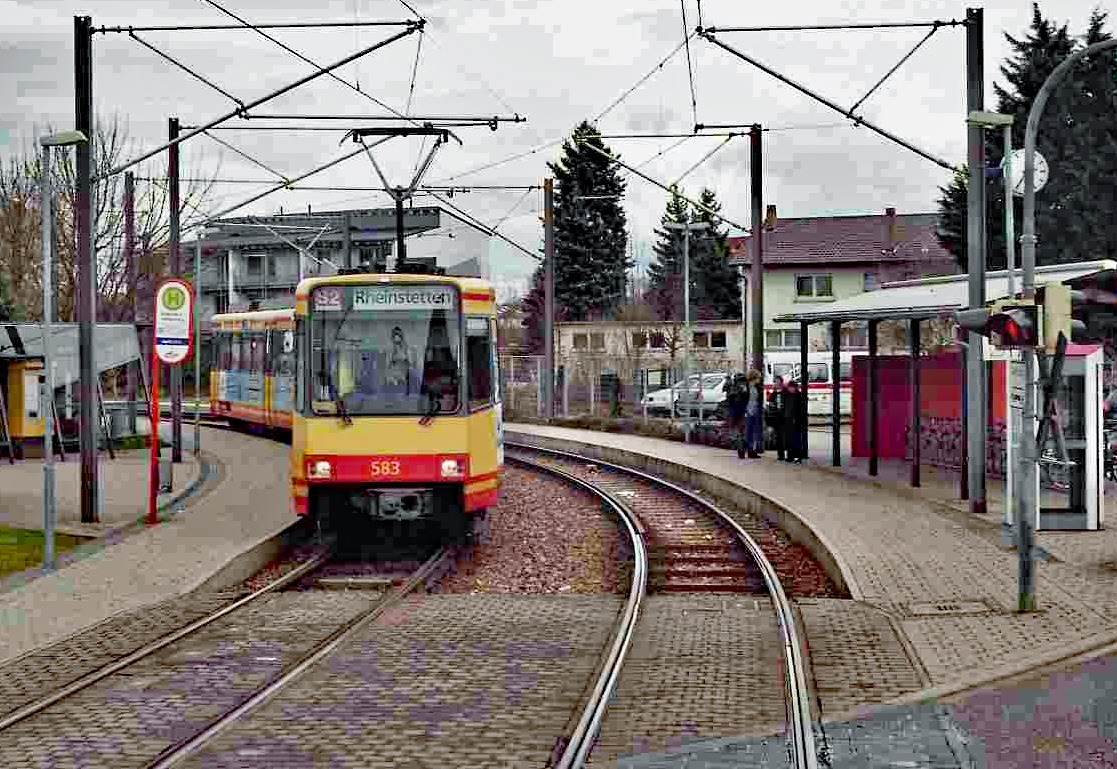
(359, 595)
(696, 548)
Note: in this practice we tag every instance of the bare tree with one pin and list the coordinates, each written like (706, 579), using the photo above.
(20, 216)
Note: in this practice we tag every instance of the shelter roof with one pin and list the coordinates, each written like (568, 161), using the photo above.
(933, 297)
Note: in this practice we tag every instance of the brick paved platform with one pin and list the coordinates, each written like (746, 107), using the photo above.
(245, 504)
(944, 584)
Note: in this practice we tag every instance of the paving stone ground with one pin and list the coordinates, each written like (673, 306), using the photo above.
(902, 551)
(700, 666)
(127, 719)
(479, 680)
(246, 505)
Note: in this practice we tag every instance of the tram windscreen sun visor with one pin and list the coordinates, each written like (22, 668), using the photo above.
(389, 349)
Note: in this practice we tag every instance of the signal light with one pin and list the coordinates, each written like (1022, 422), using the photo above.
(1059, 305)
(1011, 324)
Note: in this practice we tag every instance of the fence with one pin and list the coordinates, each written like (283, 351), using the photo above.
(584, 387)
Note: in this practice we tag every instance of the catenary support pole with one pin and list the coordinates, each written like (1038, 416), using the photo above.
(836, 392)
(401, 257)
(87, 279)
(131, 387)
(977, 419)
(756, 279)
(874, 401)
(804, 410)
(174, 253)
(549, 298)
(198, 362)
(916, 404)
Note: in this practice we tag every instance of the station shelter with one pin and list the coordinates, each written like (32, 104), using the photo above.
(885, 425)
(22, 421)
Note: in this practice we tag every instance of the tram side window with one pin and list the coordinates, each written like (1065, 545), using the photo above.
(479, 359)
(235, 352)
(258, 350)
(284, 346)
(223, 352)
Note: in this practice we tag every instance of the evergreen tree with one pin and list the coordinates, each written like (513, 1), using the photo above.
(1073, 220)
(591, 258)
(665, 273)
(534, 309)
(716, 291)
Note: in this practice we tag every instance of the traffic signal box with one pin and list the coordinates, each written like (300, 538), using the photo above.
(1017, 323)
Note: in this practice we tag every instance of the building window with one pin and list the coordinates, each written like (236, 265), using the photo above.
(717, 340)
(702, 339)
(781, 339)
(597, 341)
(814, 286)
(639, 340)
(855, 335)
(253, 264)
(657, 341)
(872, 282)
(580, 342)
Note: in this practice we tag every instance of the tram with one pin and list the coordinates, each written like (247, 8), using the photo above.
(392, 397)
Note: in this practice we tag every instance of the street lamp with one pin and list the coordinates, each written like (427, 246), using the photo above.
(1005, 121)
(46, 386)
(687, 335)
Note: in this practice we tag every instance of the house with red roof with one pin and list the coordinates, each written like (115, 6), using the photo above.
(827, 258)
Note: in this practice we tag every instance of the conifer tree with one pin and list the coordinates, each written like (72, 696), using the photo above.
(717, 293)
(665, 273)
(591, 258)
(1074, 218)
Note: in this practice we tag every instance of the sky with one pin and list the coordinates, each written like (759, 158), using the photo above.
(555, 62)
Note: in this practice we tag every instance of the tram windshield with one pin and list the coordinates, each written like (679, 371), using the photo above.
(384, 349)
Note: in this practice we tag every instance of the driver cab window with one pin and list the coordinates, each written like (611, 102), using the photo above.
(479, 355)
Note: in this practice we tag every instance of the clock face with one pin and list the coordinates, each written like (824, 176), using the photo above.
(1040, 175)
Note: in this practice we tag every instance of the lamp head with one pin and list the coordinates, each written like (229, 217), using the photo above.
(63, 139)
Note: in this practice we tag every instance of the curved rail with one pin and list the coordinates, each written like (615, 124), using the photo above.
(187, 747)
(803, 749)
(581, 738)
(150, 648)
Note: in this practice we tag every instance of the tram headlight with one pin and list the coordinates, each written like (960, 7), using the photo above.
(319, 468)
(451, 468)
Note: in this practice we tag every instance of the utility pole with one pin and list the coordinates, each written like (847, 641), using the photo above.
(173, 248)
(131, 387)
(400, 256)
(977, 418)
(347, 241)
(549, 298)
(688, 335)
(756, 279)
(87, 276)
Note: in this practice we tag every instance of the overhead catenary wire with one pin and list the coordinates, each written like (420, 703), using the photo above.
(469, 219)
(245, 155)
(303, 58)
(689, 66)
(900, 63)
(185, 68)
(642, 80)
(703, 159)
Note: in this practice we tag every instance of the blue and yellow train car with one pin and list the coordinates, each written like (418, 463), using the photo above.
(253, 379)
(394, 397)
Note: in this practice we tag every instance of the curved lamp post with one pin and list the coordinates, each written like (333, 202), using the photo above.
(1027, 489)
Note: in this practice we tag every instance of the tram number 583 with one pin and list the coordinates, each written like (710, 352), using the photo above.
(385, 467)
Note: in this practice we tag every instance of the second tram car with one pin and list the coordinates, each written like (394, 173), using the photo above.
(395, 410)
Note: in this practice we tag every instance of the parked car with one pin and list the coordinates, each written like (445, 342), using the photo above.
(712, 398)
(661, 403)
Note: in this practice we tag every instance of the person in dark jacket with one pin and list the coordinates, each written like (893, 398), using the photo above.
(775, 417)
(736, 399)
(793, 415)
(754, 414)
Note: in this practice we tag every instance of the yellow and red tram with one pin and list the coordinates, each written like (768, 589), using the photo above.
(389, 384)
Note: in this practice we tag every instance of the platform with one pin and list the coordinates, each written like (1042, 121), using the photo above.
(944, 581)
(244, 504)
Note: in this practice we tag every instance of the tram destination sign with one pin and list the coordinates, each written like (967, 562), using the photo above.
(398, 297)
(174, 320)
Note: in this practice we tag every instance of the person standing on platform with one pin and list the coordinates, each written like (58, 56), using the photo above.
(754, 414)
(775, 418)
(736, 398)
(793, 414)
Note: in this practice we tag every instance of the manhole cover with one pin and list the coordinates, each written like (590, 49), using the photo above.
(946, 608)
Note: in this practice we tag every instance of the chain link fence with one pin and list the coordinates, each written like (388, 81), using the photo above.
(592, 387)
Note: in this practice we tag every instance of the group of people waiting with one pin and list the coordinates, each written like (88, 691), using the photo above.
(747, 413)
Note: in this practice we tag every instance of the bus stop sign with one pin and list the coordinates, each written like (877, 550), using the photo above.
(174, 320)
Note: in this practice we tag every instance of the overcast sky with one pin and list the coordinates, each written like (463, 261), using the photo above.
(555, 62)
